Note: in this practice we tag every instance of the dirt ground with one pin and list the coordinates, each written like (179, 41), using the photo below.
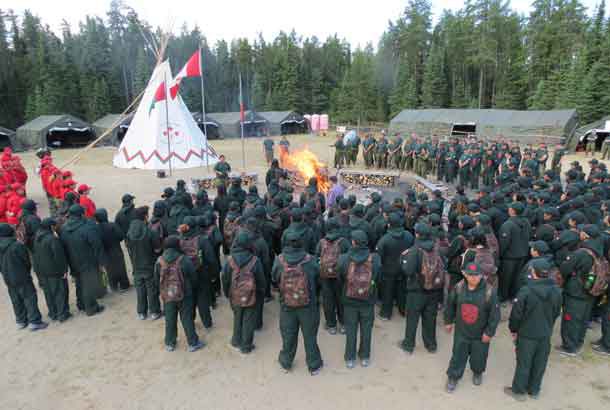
(114, 361)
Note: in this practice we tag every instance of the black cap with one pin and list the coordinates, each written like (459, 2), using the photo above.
(48, 222)
(540, 246)
(76, 210)
(360, 238)
(472, 269)
(127, 198)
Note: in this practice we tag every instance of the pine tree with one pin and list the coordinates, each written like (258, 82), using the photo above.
(435, 89)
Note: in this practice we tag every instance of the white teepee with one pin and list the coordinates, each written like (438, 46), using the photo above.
(158, 139)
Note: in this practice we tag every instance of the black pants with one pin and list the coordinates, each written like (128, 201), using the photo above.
(201, 294)
(308, 320)
(25, 303)
(463, 350)
(55, 290)
(244, 322)
(422, 305)
(393, 291)
(147, 295)
(576, 314)
(605, 340)
(184, 308)
(331, 302)
(358, 317)
(508, 277)
(532, 358)
(87, 291)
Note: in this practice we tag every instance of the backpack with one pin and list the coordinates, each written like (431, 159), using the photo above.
(432, 270)
(20, 231)
(158, 227)
(329, 255)
(243, 285)
(315, 199)
(294, 285)
(190, 247)
(459, 289)
(229, 230)
(171, 280)
(358, 279)
(492, 243)
(600, 270)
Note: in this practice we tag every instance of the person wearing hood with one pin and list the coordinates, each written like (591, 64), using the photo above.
(358, 223)
(202, 203)
(359, 273)
(457, 247)
(29, 222)
(13, 205)
(389, 249)
(304, 232)
(273, 173)
(579, 276)
(329, 249)
(176, 274)
(63, 211)
(158, 222)
(168, 195)
(15, 267)
(513, 238)
(51, 266)
(182, 194)
(311, 193)
(114, 259)
(567, 242)
(474, 312)
(373, 208)
(143, 243)
(538, 250)
(425, 273)
(244, 284)
(221, 205)
(177, 213)
(532, 318)
(200, 251)
(298, 276)
(280, 219)
(211, 233)
(83, 244)
(236, 192)
(126, 214)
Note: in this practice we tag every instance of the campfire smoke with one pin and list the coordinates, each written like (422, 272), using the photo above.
(306, 164)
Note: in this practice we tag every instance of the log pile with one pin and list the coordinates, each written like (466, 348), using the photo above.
(208, 182)
(385, 179)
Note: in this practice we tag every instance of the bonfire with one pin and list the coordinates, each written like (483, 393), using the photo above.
(304, 165)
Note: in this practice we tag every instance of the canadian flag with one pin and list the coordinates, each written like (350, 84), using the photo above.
(192, 68)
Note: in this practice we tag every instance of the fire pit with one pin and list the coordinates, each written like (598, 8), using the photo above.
(303, 165)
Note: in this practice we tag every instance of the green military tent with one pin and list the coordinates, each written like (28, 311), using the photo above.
(6, 136)
(551, 127)
(255, 125)
(212, 128)
(285, 122)
(55, 131)
(119, 125)
(601, 128)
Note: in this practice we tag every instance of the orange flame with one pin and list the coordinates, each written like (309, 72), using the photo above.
(306, 163)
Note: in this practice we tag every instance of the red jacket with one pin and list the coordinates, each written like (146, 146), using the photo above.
(14, 207)
(3, 207)
(88, 204)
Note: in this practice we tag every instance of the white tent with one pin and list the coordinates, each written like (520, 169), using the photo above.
(158, 138)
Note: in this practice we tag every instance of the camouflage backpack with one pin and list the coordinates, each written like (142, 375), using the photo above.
(20, 231)
(432, 270)
(485, 259)
(229, 230)
(329, 255)
(358, 279)
(492, 243)
(243, 285)
(171, 280)
(190, 247)
(600, 270)
(294, 285)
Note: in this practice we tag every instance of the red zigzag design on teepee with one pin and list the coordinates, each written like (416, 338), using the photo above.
(155, 153)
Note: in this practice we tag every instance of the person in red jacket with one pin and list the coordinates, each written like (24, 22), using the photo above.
(3, 203)
(85, 201)
(69, 185)
(18, 170)
(14, 202)
(47, 172)
(56, 185)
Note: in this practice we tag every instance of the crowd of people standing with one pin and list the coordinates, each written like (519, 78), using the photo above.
(524, 241)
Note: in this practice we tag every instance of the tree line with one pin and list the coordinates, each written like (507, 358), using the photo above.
(485, 55)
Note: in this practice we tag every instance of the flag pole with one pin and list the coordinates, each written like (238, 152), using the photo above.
(169, 147)
(205, 129)
(241, 122)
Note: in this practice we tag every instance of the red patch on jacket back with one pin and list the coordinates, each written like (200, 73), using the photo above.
(567, 317)
(470, 313)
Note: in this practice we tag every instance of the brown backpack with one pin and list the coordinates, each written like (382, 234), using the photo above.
(432, 270)
(358, 279)
(492, 243)
(485, 259)
(243, 285)
(190, 247)
(329, 255)
(20, 231)
(294, 285)
(229, 230)
(600, 270)
(171, 280)
(459, 289)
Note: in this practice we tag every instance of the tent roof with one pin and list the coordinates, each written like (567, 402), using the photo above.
(599, 124)
(498, 118)
(233, 117)
(276, 116)
(46, 121)
(6, 131)
(109, 120)
(198, 117)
